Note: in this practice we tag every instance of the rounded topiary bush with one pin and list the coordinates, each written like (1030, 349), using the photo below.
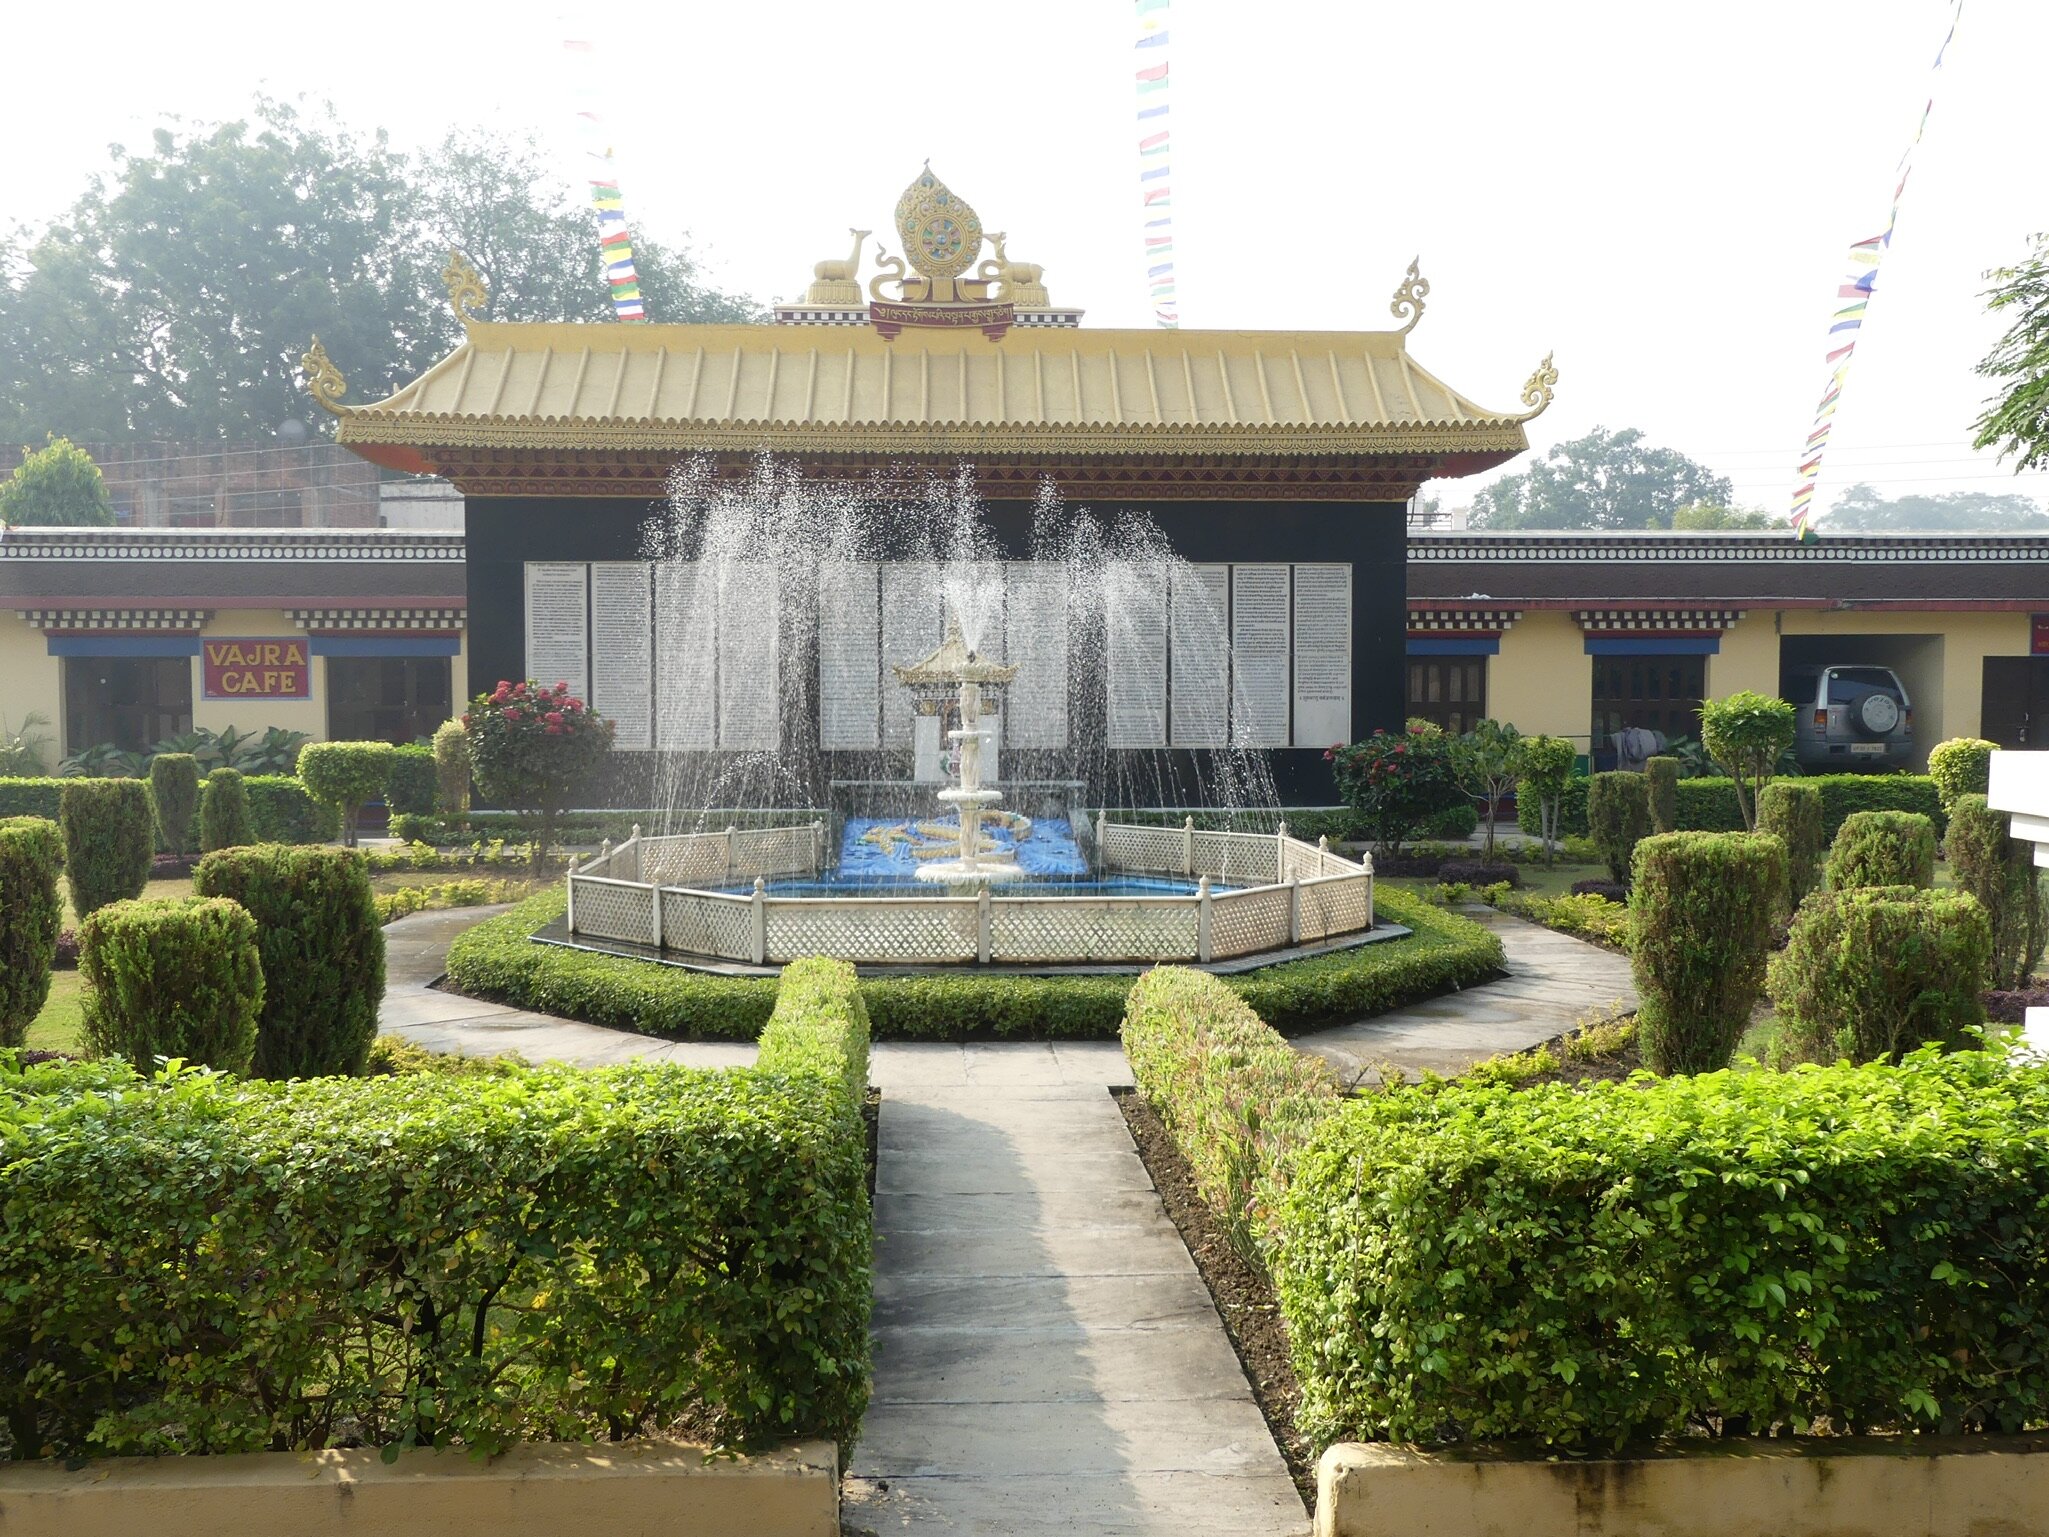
(451, 769)
(1999, 870)
(31, 915)
(174, 787)
(224, 811)
(1882, 848)
(1661, 779)
(172, 978)
(1701, 908)
(1870, 973)
(322, 950)
(1619, 814)
(1791, 812)
(409, 781)
(1961, 766)
(345, 775)
(110, 837)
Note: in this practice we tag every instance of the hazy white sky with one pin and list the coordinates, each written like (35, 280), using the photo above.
(1662, 192)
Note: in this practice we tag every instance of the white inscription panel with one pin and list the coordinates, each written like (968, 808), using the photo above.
(910, 629)
(686, 640)
(1135, 622)
(750, 698)
(1035, 639)
(1259, 656)
(1323, 654)
(622, 650)
(849, 676)
(1199, 710)
(557, 624)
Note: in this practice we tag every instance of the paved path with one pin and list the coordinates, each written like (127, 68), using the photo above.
(1553, 980)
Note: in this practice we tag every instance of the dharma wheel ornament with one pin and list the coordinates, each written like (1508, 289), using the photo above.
(942, 235)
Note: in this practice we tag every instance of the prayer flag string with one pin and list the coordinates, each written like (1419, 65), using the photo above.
(615, 240)
(1155, 191)
(1853, 304)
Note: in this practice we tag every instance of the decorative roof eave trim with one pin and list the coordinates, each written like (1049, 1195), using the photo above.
(118, 618)
(366, 429)
(1450, 616)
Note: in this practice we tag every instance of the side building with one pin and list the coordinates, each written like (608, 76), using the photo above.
(1580, 635)
(128, 636)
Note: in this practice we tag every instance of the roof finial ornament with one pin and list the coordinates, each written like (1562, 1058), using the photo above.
(1537, 393)
(324, 381)
(467, 294)
(1408, 299)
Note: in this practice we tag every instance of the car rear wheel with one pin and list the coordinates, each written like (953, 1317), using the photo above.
(1877, 714)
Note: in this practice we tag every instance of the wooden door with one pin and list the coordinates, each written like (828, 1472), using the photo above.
(2013, 706)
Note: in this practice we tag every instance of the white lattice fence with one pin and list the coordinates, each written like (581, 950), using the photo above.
(776, 851)
(876, 929)
(708, 923)
(1238, 859)
(684, 859)
(1336, 904)
(612, 909)
(1150, 850)
(1244, 922)
(1027, 929)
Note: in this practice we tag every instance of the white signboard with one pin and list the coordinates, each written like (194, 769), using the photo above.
(910, 629)
(1200, 633)
(849, 676)
(686, 685)
(622, 650)
(1135, 690)
(750, 696)
(1035, 639)
(1323, 655)
(1259, 656)
(558, 624)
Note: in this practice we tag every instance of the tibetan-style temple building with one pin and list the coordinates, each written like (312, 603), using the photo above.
(1284, 456)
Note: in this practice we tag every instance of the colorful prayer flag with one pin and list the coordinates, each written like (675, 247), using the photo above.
(1152, 80)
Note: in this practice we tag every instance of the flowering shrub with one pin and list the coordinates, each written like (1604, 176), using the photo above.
(532, 749)
(1396, 782)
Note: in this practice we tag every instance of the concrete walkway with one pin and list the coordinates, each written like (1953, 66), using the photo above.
(1553, 980)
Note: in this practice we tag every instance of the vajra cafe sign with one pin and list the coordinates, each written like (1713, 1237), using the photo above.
(256, 668)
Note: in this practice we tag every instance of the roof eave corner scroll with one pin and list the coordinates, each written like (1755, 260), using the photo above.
(467, 295)
(1408, 299)
(1537, 392)
(324, 382)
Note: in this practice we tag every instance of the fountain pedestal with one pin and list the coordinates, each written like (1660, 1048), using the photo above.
(956, 670)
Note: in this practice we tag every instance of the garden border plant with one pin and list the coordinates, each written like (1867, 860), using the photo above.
(498, 960)
(31, 917)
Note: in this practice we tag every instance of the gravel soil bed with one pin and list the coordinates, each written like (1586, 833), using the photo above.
(1244, 1297)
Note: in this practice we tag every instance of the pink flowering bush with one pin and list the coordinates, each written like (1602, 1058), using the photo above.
(534, 749)
(1396, 782)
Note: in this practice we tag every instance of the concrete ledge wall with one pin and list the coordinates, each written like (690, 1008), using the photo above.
(1989, 1486)
(635, 1489)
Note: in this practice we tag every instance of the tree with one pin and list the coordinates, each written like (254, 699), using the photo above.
(1707, 515)
(1543, 766)
(534, 748)
(57, 485)
(1603, 480)
(1745, 733)
(174, 298)
(2016, 421)
(1862, 510)
(1485, 761)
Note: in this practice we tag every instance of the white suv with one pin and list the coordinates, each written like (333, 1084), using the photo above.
(1850, 717)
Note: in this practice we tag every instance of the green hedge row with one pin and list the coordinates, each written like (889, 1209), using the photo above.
(1236, 1098)
(207, 1264)
(1585, 1266)
(1709, 805)
(279, 807)
(1340, 824)
(498, 960)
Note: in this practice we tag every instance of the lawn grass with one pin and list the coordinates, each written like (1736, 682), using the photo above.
(57, 1027)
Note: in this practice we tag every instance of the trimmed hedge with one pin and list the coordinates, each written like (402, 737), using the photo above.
(1961, 766)
(32, 798)
(1709, 805)
(1875, 972)
(224, 821)
(31, 916)
(344, 775)
(282, 810)
(1235, 1097)
(1619, 810)
(1701, 911)
(1662, 777)
(409, 780)
(1999, 870)
(172, 978)
(1882, 848)
(1790, 810)
(174, 787)
(109, 840)
(1585, 1266)
(323, 953)
(527, 1254)
(498, 960)
(451, 754)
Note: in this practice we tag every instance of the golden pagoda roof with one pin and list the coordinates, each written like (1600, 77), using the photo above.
(682, 389)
